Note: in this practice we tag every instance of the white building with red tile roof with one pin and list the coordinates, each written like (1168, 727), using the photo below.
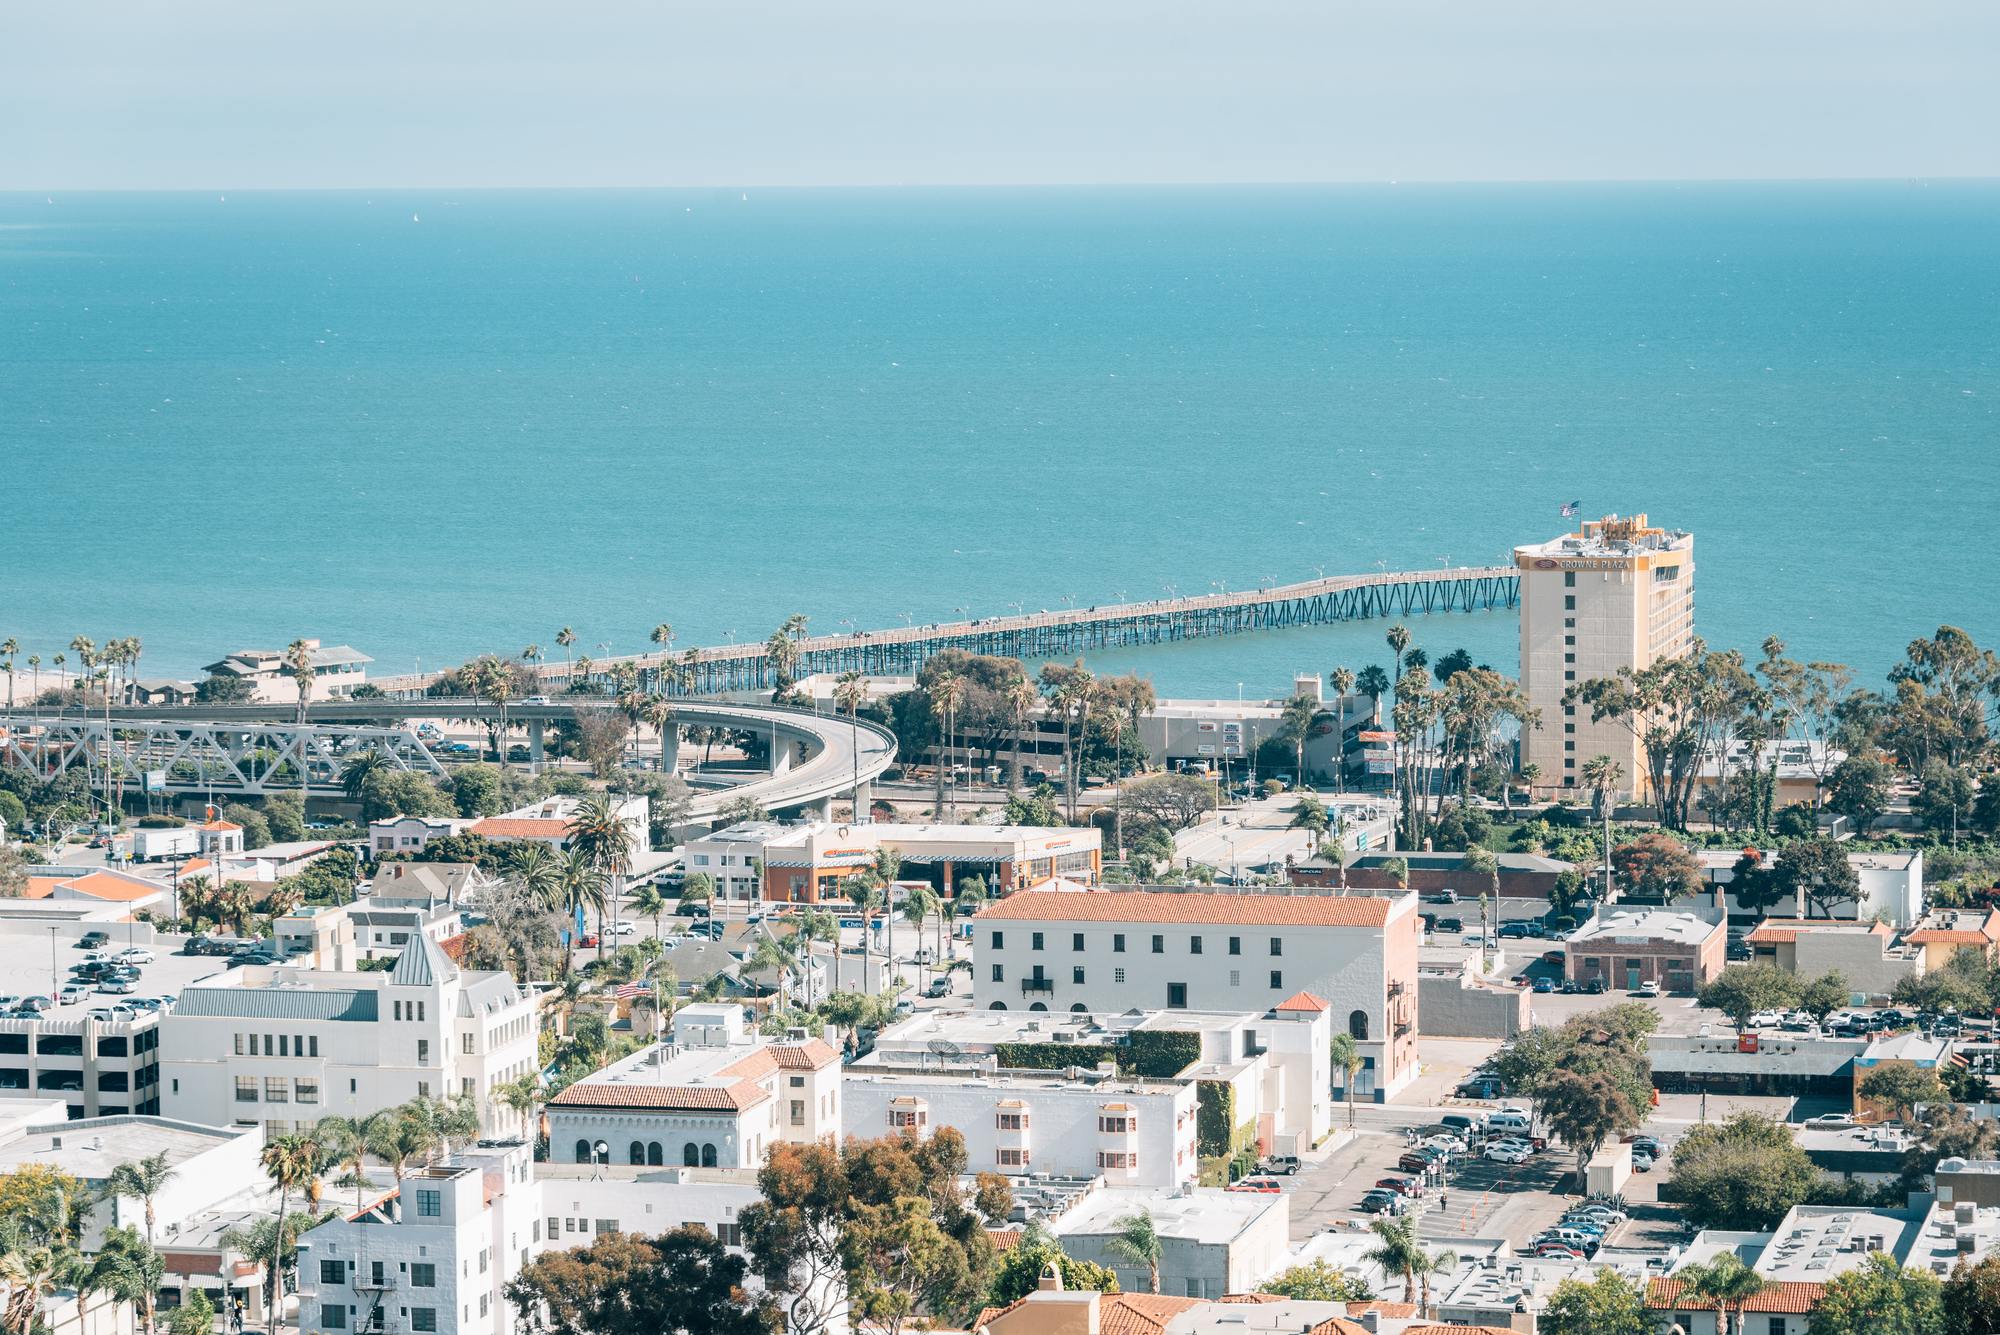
(713, 1096)
(1116, 950)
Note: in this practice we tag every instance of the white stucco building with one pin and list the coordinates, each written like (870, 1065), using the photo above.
(1116, 950)
(1212, 1241)
(713, 1097)
(285, 1047)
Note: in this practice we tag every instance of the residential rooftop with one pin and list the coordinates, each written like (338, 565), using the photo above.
(1207, 1215)
(1691, 928)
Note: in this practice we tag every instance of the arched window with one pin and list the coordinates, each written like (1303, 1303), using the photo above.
(998, 1006)
(654, 1157)
(1038, 1006)
(583, 1151)
(1357, 1025)
(1079, 1006)
(638, 1154)
(708, 1156)
(691, 1155)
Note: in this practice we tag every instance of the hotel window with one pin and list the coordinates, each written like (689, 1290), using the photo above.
(467, 1043)
(1117, 975)
(908, 1117)
(1117, 1160)
(423, 1052)
(305, 1091)
(1118, 1126)
(1569, 762)
(246, 1089)
(1569, 579)
(1076, 975)
(1569, 639)
(277, 1089)
(1569, 744)
(1011, 1158)
(1118, 943)
(423, 1318)
(423, 1276)
(798, 1112)
(1076, 941)
(1277, 978)
(312, 1045)
(1570, 675)
(1569, 727)
(1569, 658)
(1194, 945)
(1569, 711)
(797, 1082)
(1569, 602)
(1035, 941)
(1011, 1121)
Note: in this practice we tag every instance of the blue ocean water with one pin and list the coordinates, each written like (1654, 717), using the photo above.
(441, 423)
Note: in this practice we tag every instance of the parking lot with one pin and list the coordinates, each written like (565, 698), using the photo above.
(29, 964)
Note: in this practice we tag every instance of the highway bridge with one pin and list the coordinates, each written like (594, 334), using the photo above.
(1058, 634)
(232, 750)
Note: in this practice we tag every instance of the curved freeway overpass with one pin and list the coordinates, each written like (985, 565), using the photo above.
(815, 757)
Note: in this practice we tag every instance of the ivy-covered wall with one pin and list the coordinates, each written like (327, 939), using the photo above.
(1214, 1117)
(1159, 1054)
(1052, 1056)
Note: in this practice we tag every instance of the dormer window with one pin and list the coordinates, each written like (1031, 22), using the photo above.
(906, 1112)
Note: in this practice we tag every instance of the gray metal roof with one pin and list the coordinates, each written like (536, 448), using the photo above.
(422, 964)
(487, 993)
(279, 1003)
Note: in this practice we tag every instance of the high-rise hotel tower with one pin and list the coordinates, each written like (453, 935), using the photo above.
(1617, 594)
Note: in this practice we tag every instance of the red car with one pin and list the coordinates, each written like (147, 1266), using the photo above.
(1399, 1184)
(1265, 1184)
(1560, 1250)
(587, 942)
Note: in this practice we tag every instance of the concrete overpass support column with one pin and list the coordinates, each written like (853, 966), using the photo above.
(864, 798)
(534, 746)
(784, 752)
(670, 748)
(823, 808)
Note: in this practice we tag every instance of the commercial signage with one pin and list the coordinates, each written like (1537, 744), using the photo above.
(1232, 750)
(156, 781)
(1377, 736)
(1204, 750)
(1746, 1042)
(833, 853)
(1381, 764)
(1204, 727)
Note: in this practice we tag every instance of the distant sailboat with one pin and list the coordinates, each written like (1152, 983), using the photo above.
(415, 218)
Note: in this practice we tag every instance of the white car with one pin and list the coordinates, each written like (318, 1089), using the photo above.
(1649, 988)
(1506, 1154)
(624, 927)
(136, 955)
(1830, 1121)
(1766, 1020)
(1512, 1143)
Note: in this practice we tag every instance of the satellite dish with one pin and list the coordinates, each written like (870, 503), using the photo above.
(945, 1048)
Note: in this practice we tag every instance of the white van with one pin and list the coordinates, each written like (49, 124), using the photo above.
(1509, 1121)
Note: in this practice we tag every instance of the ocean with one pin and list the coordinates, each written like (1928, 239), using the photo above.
(436, 424)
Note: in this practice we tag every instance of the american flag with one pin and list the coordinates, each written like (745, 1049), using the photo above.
(1572, 510)
(626, 991)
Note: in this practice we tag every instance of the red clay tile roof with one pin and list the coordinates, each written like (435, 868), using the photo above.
(753, 1067)
(1141, 906)
(220, 825)
(724, 1098)
(1389, 1311)
(1005, 1239)
(1775, 930)
(1785, 1297)
(1939, 936)
(496, 827)
(810, 1055)
(1140, 1313)
(1342, 1326)
(1304, 1001)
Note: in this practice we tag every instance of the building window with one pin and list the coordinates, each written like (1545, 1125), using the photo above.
(1035, 941)
(1569, 762)
(423, 1318)
(1011, 1158)
(1569, 602)
(1569, 579)
(1117, 1126)
(907, 1116)
(637, 1153)
(999, 973)
(1236, 978)
(1569, 675)
(423, 1052)
(1118, 943)
(1005, 1121)
(1589, 962)
(333, 1272)
(1569, 639)
(423, 1276)
(1117, 975)
(729, 1235)
(1277, 978)
(430, 1204)
(305, 1091)
(1076, 941)
(277, 1089)
(1357, 1025)
(246, 1089)
(1194, 945)
(467, 1043)
(1569, 744)
(656, 1156)
(312, 1045)
(1176, 996)
(999, 940)
(798, 1112)
(1116, 1159)
(1076, 975)
(554, 1228)
(333, 1315)
(1159, 945)
(1277, 945)
(1236, 945)
(1569, 727)
(1777, 1325)
(1569, 658)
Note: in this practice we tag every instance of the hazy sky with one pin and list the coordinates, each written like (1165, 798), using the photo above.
(117, 94)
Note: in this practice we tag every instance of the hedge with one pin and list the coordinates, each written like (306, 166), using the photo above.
(1160, 1054)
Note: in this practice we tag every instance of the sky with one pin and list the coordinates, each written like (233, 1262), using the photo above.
(118, 94)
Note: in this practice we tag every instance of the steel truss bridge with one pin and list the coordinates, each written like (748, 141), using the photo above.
(233, 750)
(1044, 635)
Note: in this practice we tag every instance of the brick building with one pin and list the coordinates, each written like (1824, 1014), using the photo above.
(1679, 949)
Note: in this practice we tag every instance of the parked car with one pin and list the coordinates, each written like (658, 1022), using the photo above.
(1506, 1154)
(117, 986)
(1595, 986)
(1649, 988)
(1413, 1162)
(1445, 897)
(1562, 1251)
(1830, 1121)
(1258, 1184)
(1477, 1088)
(1766, 1020)
(1401, 1185)
(1449, 924)
(1545, 985)
(136, 955)
(624, 927)
(93, 940)
(904, 1007)
(588, 941)
(1375, 1202)
(72, 993)
(1287, 1164)
(1513, 931)
(940, 987)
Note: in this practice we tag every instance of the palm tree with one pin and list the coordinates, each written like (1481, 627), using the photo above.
(274, 1242)
(1399, 1252)
(598, 831)
(1725, 1281)
(1342, 682)
(566, 637)
(1301, 712)
(355, 774)
(860, 892)
(887, 867)
(659, 716)
(946, 690)
(396, 1137)
(10, 646)
(346, 1139)
(648, 902)
(35, 681)
(29, 1274)
(1399, 640)
(143, 1180)
(1138, 1242)
(1602, 773)
(1021, 697)
(84, 1276)
(130, 1271)
(298, 657)
(1529, 773)
(1434, 1263)
(289, 1161)
(522, 1096)
(1347, 1058)
(919, 905)
(849, 690)
(582, 888)
(539, 873)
